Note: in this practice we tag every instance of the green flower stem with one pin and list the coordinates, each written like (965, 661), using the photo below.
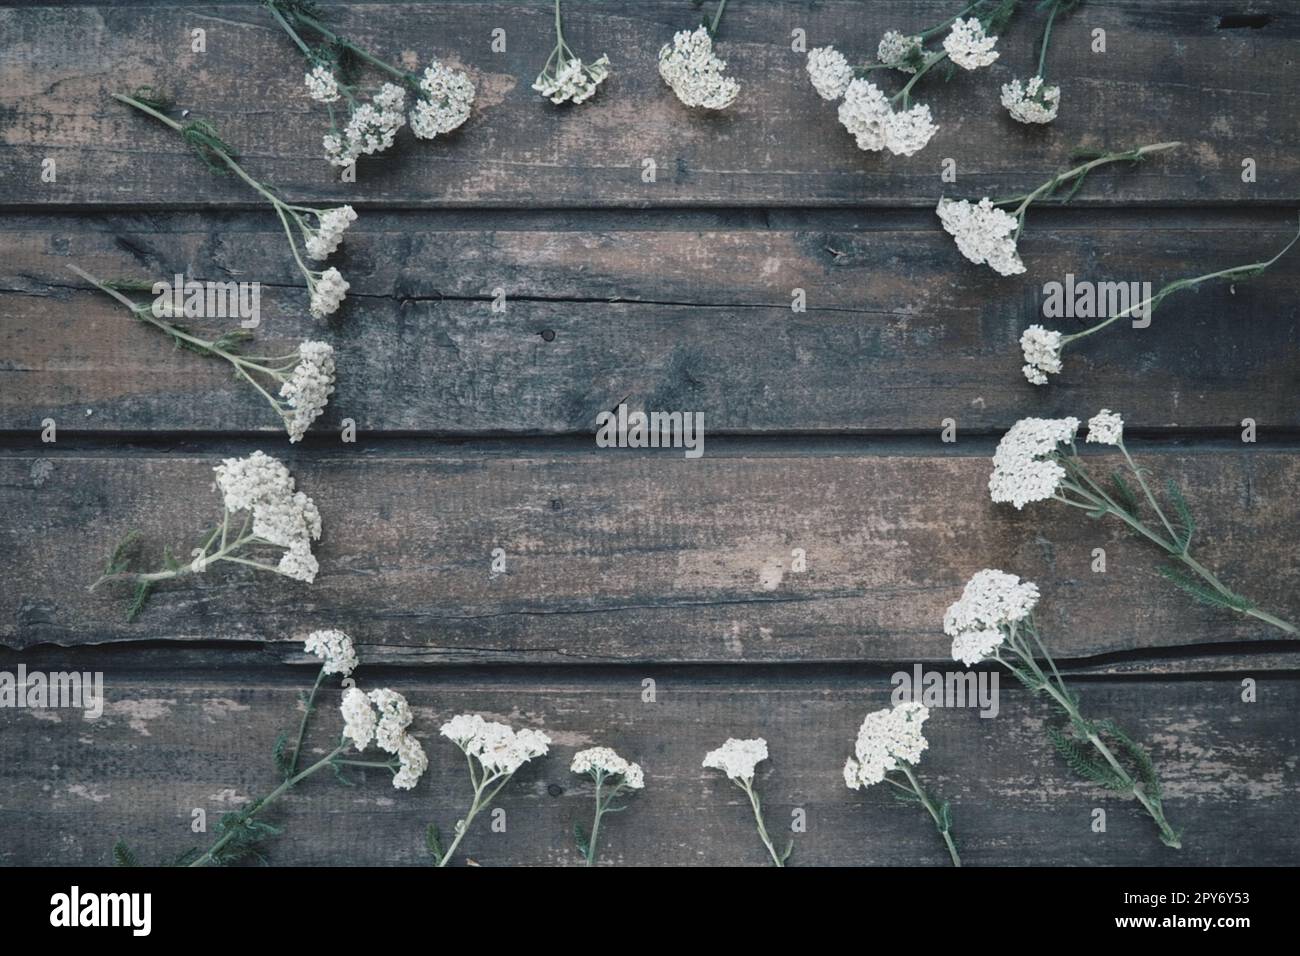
(1248, 269)
(479, 804)
(226, 553)
(603, 806)
(306, 716)
(930, 63)
(1131, 155)
(338, 39)
(1036, 677)
(748, 787)
(242, 363)
(928, 803)
(717, 18)
(259, 805)
(279, 18)
(1047, 38)
(1095, 499)
(950, 21)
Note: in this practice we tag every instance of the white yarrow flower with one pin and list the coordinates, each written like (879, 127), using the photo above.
(328, 291)
(335, 649)
(604, 760)
(1042, 349)
(322, 243)
(281, 516)
(899, 51)
(984, 233)
(738, 758)
(968, 46)
(829, 72)
(447, 96)
(695, 73)
(885, 738)
(321, 85)
(1034, 102)
(991, 600)
(572, 81)
(309, 387)
(359, 720)
(1023, 467)
(1106, 428)
(370, 129)
(867, 113)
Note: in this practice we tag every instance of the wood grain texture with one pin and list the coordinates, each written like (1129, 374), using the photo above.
(637, 557)
(900, 332)
(1169, 73)
(167, 745)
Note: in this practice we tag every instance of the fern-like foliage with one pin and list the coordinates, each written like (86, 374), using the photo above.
(283, 763)
(433, 843)
(582, 838)
(246, 836)
(1204, 592)
(1145, 769)
(123, 855)
(1084, 762)
(1123, 494)
(1184, 523)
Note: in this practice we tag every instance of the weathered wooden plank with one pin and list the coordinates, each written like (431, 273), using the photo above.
(169, 744)
(1169, 73)
(620, 556)
(692, 314)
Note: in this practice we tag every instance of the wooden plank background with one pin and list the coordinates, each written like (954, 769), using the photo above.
(822, 432)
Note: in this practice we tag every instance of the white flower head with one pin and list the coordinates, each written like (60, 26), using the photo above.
(371, 128)
(498, 748)
(829, 71)
(309, 387)
(900, 52)
(984, 233)
(738, 758)
(1042, 348)
(322, 85)
(605, 761)
(885, 738)
(281, 515)
(328, 290)
(1106, 428)
(359, 720)
(394, 717)
(1034, 102)
(968, 46)
(695, 72)
(991, 601)
(1024, 469)
(299, 563)
(335, 649)
(572, 81)
(412, 763)
(332, 223)
(446, 97)
(867, 113)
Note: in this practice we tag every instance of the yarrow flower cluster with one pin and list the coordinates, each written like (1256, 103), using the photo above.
(1106, 428)
(383, 716)
(565, 78)
(984, 233)
(322, 242)
(607, 770)
(869, 115)
(878, 120)
(278, 516)
(309, 387)
(1042, 349)
(495, 752)
(988, 234)
(992, 602)
(737, 758)
(1026, 466)
(891, 741)
(441, 98)
(829, 72)
(969, 46)
(1034, 102)
(335, 650)
(690, 67)
(886, 737)
(998, 603)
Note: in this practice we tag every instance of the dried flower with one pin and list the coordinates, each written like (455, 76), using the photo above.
(829, 71)
(695, 73)
(1035, 102)
(968, 46)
